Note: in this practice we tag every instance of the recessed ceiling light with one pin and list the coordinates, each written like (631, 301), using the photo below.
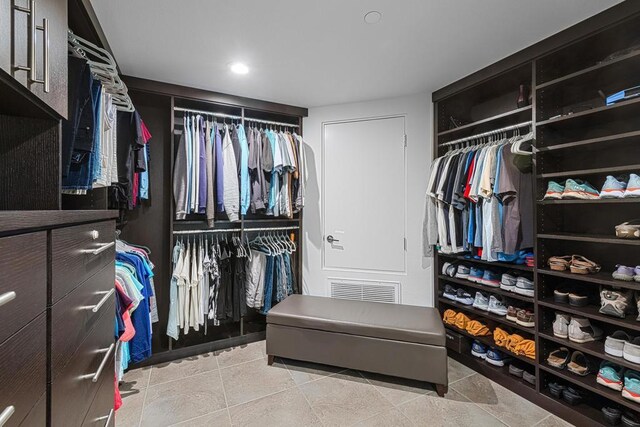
(372, 17)
(239, 68)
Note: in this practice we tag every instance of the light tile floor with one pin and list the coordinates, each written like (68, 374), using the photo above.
(236, 387)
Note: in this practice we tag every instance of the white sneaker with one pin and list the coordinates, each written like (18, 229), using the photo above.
(581, 330)
(496, 306)
(561, 325)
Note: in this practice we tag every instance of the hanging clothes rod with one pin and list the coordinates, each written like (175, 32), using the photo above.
(489, 133)
(237, 230)
(230, 116)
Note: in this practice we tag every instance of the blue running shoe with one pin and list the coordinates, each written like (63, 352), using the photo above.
(554, 191)
(496, 358)
(631, 389)
(578, 189)
(491, 278)
(610, 375)
(613, 188)
(478, 349)
(475, 275)
(633, 188)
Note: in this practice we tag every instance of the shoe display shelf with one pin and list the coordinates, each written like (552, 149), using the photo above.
(577, 136)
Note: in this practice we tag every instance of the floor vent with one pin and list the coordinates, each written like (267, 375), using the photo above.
(358, 290)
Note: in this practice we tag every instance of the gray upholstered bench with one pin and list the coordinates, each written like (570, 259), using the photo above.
(397, 340)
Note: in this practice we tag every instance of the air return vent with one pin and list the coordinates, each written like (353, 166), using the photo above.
(364, 290)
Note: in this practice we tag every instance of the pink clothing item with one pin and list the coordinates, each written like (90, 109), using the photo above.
(146, 135)
(129, 330)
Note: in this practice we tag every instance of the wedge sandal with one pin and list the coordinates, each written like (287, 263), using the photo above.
(629, 229)
(559, 263)
(582, 265)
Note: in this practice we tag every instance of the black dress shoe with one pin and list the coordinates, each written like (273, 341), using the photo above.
(611, 415)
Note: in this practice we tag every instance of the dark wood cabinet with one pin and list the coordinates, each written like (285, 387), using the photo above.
(33, 49)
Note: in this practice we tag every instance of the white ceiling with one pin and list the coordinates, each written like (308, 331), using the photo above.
(320, 52)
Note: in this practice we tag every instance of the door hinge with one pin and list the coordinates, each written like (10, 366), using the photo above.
(405, 244)
(405, 139)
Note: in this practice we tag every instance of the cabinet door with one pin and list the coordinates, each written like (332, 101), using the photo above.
(16, 39)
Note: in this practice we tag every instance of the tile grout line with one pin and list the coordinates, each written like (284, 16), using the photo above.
(539, 422)
(224, 390)
(302, 393)
(185, 377)
(144, 399)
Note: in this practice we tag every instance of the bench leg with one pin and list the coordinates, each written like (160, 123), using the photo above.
(270, 359)
(441, 390)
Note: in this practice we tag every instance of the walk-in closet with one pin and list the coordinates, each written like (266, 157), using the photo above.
(251, 213)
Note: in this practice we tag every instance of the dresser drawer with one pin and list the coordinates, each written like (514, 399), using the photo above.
(101, 413)
(73, 317)
(73, 391)
(23, 280)
(23, 370)
(78, 253)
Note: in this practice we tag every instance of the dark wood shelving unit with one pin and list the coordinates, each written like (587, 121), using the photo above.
(473, 261)
(486, 315)
(603, 140)
(498, 117)
(486, 289)
(592, 312)
(595, 171)
(590, 238)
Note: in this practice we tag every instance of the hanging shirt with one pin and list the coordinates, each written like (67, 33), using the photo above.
(181, 178)
(174, 317)
(219, 170)
(231, 189)
(202, 167)
(210, 171)
(245, 190)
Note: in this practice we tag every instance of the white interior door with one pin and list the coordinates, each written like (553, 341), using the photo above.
(364, 194)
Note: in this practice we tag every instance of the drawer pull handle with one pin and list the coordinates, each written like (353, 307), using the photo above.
(103, 248)
(103, 300)
(5, 298)
(109, 418)
(104, 362)
(6, 414)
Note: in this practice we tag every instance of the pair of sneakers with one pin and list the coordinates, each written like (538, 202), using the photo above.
(517, 284)
(484, 277)
(577, 329)
(627, 274)
(490, 354)
(620, 344)
(570, 189)
(492, 304)
(621, 187)
(620, 379)
(457, 295)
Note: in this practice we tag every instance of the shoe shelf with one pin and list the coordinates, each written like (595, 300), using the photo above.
(522, 267)
(487, 315)
(592, 312)
(584, 143)
(594, 171)
(594, 348)
(593, 414)
(590, 238)
(524, 113)
(588, 201)
(487, 289)
(488, 341)
(588, 382)
(631, 59)
(499, 374)
(583, 119)
(601, 278)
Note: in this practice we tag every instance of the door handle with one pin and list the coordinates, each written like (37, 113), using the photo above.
(102, 248)
(331, 240)
(6, 414)
(104, 299)
(31, 48)
(6, 297)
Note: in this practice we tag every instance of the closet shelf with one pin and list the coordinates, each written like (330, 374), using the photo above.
(590, 238)
(592, 312)
(515, 384)
(601, 278)
(522, 267)
(486, 289)
(594, 69)
(589, 383)
(485, 314)
(595, 348)
(489, 342)
(584, 409)
(585, 118)
(497, 117)
(588, 201)
(594, 171)
(589, 142)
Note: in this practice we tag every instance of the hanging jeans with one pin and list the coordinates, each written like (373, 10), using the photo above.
(268, 284)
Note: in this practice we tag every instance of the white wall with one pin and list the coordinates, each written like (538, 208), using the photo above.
(417, 282)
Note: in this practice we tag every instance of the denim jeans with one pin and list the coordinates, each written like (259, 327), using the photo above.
(268, 284)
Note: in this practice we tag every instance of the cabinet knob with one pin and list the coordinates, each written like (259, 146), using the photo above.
(95, 234)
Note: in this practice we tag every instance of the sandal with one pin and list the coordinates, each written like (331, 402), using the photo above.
(559, 358)
(629, 229)
(582, 265)
(559, 263)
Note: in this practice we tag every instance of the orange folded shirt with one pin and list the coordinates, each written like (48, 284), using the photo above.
(500, 337)
(513, 341)
(476, 328)
(461, 321)
(449, 317)
(527, 348)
